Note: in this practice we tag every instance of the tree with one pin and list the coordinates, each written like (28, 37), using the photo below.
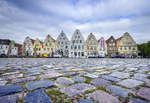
(144, 49)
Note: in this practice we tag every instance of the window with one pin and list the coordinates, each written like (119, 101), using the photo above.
(80, 41)
(78, 53)
(120, 48)
(78, 46)
(73, 41)
(72, 47)
(75, 53)
(129, 48)
(125, 48)
(82, 53)
(133, 48)
(82, 46)
(75, 47)
(76, 41)
(78, 36)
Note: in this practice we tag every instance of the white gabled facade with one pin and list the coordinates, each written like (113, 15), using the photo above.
(4, 49)
(14, 51)
(77, 45)
(5, 46)
(62, 44)
(102, 47)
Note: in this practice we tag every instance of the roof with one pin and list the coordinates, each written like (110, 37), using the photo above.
(18, 45)
(32, 40)
(51, 37)
(5, 41)
(109, 39)
(118, 39)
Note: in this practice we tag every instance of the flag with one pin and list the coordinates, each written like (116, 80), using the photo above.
(42, 45)
(27, 43)
(103, 44)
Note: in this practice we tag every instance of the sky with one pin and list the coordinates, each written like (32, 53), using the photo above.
(103, 18)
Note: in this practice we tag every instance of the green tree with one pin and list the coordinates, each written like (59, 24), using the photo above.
(144, 49)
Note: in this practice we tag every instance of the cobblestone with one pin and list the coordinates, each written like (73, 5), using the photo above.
(84, 80)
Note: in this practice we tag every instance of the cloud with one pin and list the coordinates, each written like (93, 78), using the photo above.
(21, 18)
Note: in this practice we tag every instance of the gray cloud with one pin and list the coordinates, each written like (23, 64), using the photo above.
(102, 17)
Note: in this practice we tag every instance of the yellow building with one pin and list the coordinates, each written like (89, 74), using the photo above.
(127, 46)
(91, 46)
(37, 48)
(48, 46)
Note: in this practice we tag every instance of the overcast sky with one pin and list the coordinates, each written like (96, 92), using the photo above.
(37, 18)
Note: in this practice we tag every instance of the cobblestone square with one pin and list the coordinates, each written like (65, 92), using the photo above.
(60, 80)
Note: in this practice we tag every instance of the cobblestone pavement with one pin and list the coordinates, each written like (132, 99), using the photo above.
(49, 80)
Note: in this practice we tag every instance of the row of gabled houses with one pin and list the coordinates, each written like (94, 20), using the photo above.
(77, 47)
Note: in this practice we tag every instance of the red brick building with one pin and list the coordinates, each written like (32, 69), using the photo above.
(111, 46)
(19, 49)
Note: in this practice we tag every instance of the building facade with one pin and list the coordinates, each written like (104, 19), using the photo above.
(111, 46)
(77, 45)
(14, 51)
(8, 47)
(91, 46)
(37, 48)
(62, 44)
(48, 46)
(127, 46)
(27, 46)
(102, 47)
(19, 49)
(5, 46)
